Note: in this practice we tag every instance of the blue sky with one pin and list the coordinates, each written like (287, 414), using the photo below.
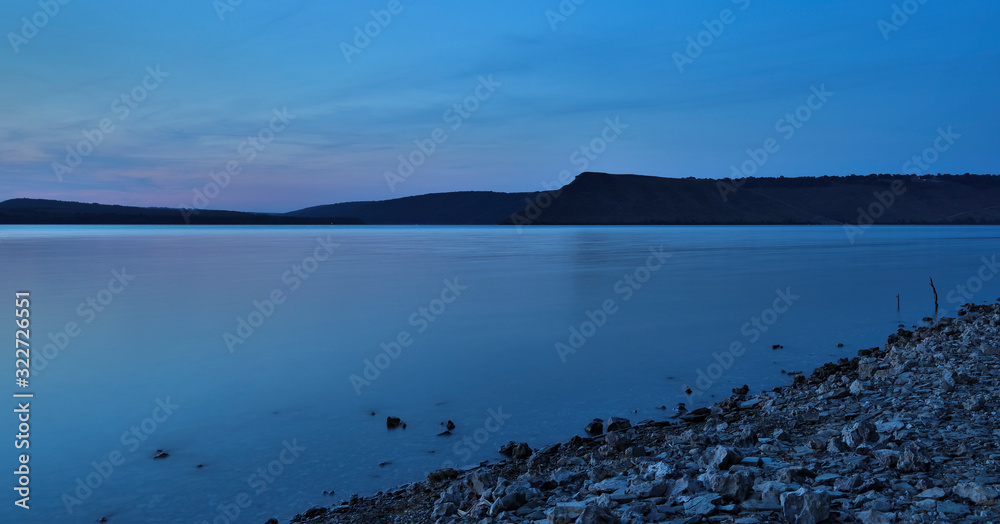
(556, 81)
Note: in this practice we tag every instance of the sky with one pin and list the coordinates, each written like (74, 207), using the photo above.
(275, 106)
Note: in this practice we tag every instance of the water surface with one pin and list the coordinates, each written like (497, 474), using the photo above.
(276, 416)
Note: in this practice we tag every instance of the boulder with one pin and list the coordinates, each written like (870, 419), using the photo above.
(595, 427)
(975, 492)
(858, 433)
(516, 450)
(804, 506)
(618, 424)
(722, 458)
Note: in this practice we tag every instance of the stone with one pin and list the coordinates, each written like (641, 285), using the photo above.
(478, 481)
(596, 515)
(805, 507)
(442, 474)
(912, 460)
(703, 505)
(837, 445)
(644, 489)
(563, 476)
(858, 433)
(696, 415)
(795, 474)
(618, 424)
(516, 450)
(610, 485)
(746, 439)
(636, 451)
(764, 504)
(857, 387)
(444, 510)
(954, 509)
(847, 484)
(782, 435)
(736, 485)
(617, 440)
(932, 493)
(595, 427)
(975, 492)
(565, 513)
(887, 457)
(974, 403)
(722, 458)
(871, 516)
(512, 501)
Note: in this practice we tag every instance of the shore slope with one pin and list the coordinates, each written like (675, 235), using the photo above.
(903, 433)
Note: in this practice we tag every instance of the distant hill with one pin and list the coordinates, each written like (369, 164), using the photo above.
(604, 199)
(38, 211)
(599, 198)
(457, 208)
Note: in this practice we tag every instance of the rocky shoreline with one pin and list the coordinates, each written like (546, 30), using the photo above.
(904, 433)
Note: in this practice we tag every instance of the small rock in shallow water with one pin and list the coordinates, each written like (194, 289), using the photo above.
(442, 474)
(516, 450)
(618, 424)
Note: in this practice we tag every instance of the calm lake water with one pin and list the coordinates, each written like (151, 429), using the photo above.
(513, 336)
